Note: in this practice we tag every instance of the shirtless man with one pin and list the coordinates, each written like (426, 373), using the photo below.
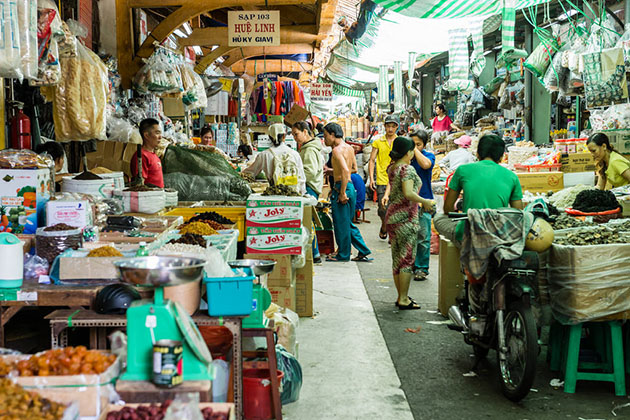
(343, 198)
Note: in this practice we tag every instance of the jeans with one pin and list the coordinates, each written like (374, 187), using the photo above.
(316, 255)
(347, 234)
(423, 254)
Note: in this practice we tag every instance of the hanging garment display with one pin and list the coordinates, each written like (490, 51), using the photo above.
(398, 87)
(277, 98)
(477, 59)
(458, 61)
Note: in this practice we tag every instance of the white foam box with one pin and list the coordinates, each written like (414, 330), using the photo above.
(576, 178)
(274, 211)
(73, 213)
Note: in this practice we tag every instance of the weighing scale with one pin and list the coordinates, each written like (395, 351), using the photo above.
(261, 298)
(151, 320)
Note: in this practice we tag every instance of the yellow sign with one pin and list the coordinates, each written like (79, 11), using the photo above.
(253, 28)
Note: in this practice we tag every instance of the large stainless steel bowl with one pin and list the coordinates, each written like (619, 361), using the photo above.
(259, 267)
(160, 271)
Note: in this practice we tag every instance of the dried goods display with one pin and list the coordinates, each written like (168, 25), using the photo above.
(87, 176)
(280, 190)
(17, 403)
(564, 221)
(214, 225)
(198, 228)
(22, 159)
(53, 240)
(140, 188)
(67, 361)
(210, 215)
(566, 197)
(623, 226)
(105, 251)
(248, 177)
(59, 227)
(595, 200)
(190, 239)
(599, 235)
(181, 249)
(158, 412)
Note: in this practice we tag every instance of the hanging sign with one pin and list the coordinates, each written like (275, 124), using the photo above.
(253, 28)
(321, 92)
(269, 76)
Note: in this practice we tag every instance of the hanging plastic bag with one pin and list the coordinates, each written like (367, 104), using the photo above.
(605, 77)
(10, 57)
(292, 380)
(540, 58)
(49, 31)
(27, 22)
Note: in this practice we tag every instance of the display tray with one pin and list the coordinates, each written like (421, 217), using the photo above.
(218, 407)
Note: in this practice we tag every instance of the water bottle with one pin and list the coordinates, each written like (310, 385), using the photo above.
(142, 250)
(221, 380)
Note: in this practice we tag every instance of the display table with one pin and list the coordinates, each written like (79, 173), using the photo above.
(90, 319)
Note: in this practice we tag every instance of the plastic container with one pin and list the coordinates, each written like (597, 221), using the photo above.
(538, 168)
(261, 300)
(257, 393)
(221, 380)
(99, 188)
(230, 296)
(11, 261)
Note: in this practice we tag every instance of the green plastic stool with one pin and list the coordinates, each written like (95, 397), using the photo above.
(613, 355)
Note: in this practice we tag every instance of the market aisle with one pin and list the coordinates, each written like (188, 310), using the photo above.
(348, 372)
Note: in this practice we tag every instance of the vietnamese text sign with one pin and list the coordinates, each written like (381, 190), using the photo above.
(253, 28)
(321, 92)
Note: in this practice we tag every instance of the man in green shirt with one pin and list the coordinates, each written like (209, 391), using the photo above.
(485, 184)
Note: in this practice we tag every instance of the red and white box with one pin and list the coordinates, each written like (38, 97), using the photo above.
(272, 240)
(274, 211)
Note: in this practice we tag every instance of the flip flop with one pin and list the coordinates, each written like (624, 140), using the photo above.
(362, 258)
(408, 297)
(412, 305)
(382, 235)
(335, 259)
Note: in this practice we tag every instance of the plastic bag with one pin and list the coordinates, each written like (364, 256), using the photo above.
(556, 75)
(540, 58)
(35, 266)
(161, 75)
(210, 188)
(49, 31)
(51, 244)
(194, 90)
(285, 323)
(292, 380)
(605, 77)
(10, 57)
(27, 19)
(184, 407)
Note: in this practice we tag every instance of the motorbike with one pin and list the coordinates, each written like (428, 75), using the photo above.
(506, 323)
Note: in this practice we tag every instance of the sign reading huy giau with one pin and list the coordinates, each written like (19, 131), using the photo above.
(254, 28)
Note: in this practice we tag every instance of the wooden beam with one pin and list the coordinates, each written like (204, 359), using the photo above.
(219, 36)
(248, 52)
(210, 58)
(190, 9)
(255, 67)
(124, 43)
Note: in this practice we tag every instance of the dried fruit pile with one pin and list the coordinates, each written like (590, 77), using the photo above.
(158, 412)
(18, 404)
(59, 227)
(190, 239)
(595, 201)
(105, 251)
(564, 221)
(198, 228)
(210, 215)
(66, 361)
(281, 190)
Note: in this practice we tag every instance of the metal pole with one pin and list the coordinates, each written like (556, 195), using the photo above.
(528, 112)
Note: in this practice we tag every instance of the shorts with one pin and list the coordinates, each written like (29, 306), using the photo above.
(380, 193)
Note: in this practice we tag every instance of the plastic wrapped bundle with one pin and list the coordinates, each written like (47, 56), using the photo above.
(49, 32)
(27, 20)
(10, 58)
(540, 58)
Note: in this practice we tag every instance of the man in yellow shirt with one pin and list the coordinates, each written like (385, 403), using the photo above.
(380, 155)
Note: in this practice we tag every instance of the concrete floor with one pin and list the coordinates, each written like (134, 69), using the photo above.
(347, 351)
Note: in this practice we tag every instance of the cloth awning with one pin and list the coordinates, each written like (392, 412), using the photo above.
(450, 9)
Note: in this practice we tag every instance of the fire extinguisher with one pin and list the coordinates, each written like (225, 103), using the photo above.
(20, 128)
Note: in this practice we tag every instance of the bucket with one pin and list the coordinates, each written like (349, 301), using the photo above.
(257, 403)
(99, 188)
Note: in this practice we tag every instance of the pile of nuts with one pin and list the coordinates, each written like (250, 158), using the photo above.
(564, 221)
(599, 235)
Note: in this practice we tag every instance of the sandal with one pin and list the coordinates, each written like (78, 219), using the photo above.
(362, 258)
(382, 235)
(412, 305)
(408, 297)
(335, 258)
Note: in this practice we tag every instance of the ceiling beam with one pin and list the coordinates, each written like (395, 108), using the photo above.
(249, 52)
(255, 67)
(219, 36)
(208, 59)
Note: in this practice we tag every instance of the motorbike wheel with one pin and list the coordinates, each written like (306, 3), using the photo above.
(521, 339)
(479, 351)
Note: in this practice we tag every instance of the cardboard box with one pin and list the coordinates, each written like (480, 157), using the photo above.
(73, 213)
(283, 296)
(274, 211)
(304, 287)
(91, 392)
(88, 268)
(113, 155)
(450, 277)
(295, 114)
(282, 274)
(23, 197)
(541, 182)
(577, 162)
(266, 240)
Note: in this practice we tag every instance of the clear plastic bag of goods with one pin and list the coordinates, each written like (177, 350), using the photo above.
(10, 56)
(184, 407)
(51, 243)
(161, 75)
(540, 58)
(23, 159)
(590, 282)
(49, 32)
(27, 22)
(34, 267)
(286, 323)
(519, 154)
(80, 98)
(194, 91)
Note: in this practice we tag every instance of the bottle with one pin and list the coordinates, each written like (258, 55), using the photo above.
(221, 379)
(142, 250)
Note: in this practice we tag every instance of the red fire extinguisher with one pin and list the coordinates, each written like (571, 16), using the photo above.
(20, 129)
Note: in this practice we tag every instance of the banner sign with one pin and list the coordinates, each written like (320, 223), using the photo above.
(269, 76)
(321, 92)
(253, 28)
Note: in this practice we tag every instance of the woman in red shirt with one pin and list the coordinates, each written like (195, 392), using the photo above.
(442, 122)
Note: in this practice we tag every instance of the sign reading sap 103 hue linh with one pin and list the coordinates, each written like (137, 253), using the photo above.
(254, 28)
(322, 92)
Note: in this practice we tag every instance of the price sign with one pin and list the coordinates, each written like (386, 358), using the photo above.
(321, 92)
(253, 28)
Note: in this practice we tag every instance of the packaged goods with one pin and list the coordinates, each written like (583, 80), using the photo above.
(74, 213)
(268, 240)
(27, 22)
(277, 211)
(150, 202)
(10, 58)
(52, 242)
(23, 197)
(566, 197)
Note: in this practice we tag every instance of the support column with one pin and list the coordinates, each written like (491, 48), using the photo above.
(527, 114)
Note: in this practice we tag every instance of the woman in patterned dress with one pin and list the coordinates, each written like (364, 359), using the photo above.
(402, 217)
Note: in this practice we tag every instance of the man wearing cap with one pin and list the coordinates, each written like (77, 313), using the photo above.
(381, 148)
(459, 156)
(265, 161)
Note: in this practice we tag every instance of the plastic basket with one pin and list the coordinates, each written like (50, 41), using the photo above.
(230, 296)
(538, 168)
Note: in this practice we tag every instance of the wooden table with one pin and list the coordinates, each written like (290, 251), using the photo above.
(87, 318)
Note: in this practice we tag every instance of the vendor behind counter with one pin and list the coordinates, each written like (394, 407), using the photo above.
(151, 164)
(56, 152)
(613, 169)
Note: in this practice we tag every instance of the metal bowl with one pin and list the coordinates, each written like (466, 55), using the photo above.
(259, 267)
(160, 271)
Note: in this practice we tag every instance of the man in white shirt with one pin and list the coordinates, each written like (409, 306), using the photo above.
(458, 157)
(265, 161)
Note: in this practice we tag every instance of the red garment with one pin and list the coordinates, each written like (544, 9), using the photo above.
(279, 93)
(151, 168)
(444, 125)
